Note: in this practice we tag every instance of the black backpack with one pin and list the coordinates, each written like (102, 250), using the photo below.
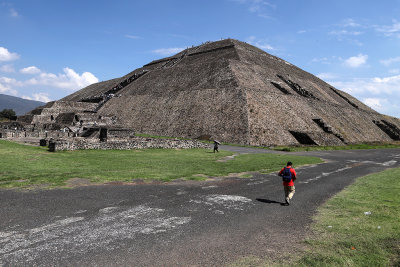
(286, 175)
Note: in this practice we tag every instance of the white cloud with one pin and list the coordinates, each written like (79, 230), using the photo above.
(390, 30)
(326, 60)
(386, 89)
(257, 6)
(346, 32)
(265, 16)
(7, 90)
(356, 61)
(13, 13)
(69, 80)
(262, 44)
(132, 36)
(43, 97)
(168, 51)
(347, 36)
(390, 61)
(323, 60)
(383, 105)
(394, 71)
(30, 70)
(350, 23)
(374, 103)
(7, 68)
(375, 86)
(388, 80)
(7, 84)
(6, 55)
(10, 81)
(327, 76)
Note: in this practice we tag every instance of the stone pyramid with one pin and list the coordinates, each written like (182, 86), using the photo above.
(225, 90)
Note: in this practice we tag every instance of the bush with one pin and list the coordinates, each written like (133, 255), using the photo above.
(8, 114)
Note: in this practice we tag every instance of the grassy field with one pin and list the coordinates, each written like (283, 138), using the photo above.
(360, 226)
(347, 235)
(24, 166)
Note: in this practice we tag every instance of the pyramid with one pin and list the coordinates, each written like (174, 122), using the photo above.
(226, 90)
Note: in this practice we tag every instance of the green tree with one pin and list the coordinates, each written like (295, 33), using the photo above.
(7, 114)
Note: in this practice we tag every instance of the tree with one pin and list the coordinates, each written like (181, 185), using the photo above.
(8, 114)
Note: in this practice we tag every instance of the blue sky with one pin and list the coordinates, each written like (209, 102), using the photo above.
(50, 48)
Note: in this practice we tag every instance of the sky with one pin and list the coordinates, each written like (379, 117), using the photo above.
(51, 48)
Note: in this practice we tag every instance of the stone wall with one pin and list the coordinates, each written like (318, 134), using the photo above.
(11, 134)
(135, 143)
(120, 139)
(27, 131)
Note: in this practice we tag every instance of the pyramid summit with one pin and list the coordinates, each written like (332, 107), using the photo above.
(226, 90)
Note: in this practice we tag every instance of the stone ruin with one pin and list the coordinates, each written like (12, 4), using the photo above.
(225, 90)
(75, 125)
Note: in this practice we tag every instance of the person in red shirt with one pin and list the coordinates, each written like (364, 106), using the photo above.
(288, 175)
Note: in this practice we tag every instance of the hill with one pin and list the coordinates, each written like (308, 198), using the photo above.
(19, 105)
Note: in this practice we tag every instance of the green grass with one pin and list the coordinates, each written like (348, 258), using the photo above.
(342, 235)
(24, 166)
(345, 236)
(346, 147)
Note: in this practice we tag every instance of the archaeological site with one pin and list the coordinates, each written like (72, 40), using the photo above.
(225, 90)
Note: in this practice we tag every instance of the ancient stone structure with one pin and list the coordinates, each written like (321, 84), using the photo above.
(133, 143)
(226, 90)
(92, 138)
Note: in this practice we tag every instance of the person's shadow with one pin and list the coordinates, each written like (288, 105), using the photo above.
(268, 201)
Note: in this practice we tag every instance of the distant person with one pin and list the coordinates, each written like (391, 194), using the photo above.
(288, 175)
(216, 144)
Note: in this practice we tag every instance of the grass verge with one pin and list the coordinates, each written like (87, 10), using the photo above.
(24, 166)
(358, 227)
(347, 235)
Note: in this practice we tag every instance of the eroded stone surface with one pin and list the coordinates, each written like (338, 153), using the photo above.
(226, 90)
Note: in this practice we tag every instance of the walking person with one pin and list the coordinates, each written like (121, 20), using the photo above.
(288, 175)
(216, 144)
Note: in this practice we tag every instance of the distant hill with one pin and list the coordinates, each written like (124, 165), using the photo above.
(19, 105)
